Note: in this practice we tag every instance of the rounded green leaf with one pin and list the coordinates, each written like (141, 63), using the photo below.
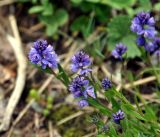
(61, 17)
(36, 9)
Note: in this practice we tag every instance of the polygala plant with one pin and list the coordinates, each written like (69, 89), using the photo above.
(124, 118)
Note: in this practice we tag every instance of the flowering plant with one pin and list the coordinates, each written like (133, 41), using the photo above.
(124, 118)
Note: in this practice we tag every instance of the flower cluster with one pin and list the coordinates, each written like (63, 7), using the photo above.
(80, 86)
(119, 50)
(117, 117)
(144, 26)
(42, 54)
(81, 89)
(80, 61)
(106, 83)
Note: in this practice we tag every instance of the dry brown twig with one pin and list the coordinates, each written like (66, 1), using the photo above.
(15, 42)
(64, 120)
(23, 112)
(91, 134)
(52, 131)
(128, 85)
(6, 2)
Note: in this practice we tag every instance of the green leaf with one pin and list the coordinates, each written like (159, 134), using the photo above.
(51, 29)
(98, 52)
(51, 25)
(94, 1)
(63, 75)
(137, 115)
(100, 107)
(157, 6)
(48, 10)
(44, 2)
(127, 107)
(76, 1)
(47, 20)
(125, 124)
(23, 0)
(61, 17)
(118, 4)
(34, 1)
(150, 70)
(34, 94)
(132, 49)
(47, 70)
(130, 111)
(81, 24)
(36, 9)
(53, 22)
(112, 131)
(118, 28)
(78, 23)
(150, 114)
(101, 135)
(145, 5)
(115, 104)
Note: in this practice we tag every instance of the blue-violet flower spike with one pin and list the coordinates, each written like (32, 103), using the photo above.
(106, 83)
(79, 61)
(118, 116)
(43, 55)
(83, 103)
(77, 85)
(119, 50)
(143, 24)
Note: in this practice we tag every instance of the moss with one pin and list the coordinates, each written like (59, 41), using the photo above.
(72, 128)
(73, 132)
(62, 112)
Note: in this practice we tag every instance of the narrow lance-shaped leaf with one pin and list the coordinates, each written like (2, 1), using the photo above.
(100, 107)
(63, 75)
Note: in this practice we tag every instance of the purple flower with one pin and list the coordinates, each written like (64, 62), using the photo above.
(149, 32)
(85, 71)
(119, 51)
(80, 88)
(143, 24)
(157, 41)
(157, 54)
(43, 55)
(151, 47)
(90, 91)
(83, 103)
(106, 83)
(77, 86)
(141, 41)
(118, 116)
(79, 61)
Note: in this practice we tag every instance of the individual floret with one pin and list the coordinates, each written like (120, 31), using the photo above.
(119, 50)
(117, 117)
(79, 61)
